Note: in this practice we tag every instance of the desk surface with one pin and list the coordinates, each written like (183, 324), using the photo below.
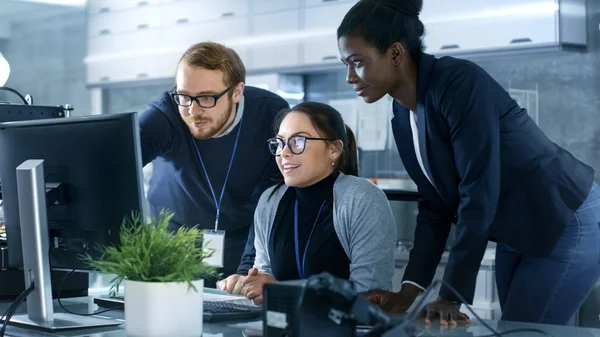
(229, 329)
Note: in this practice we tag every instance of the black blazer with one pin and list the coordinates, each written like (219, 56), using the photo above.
(496, 175)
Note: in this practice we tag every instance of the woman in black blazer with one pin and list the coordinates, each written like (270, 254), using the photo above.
(481, 163)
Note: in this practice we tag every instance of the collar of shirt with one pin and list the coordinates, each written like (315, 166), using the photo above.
(236, 121)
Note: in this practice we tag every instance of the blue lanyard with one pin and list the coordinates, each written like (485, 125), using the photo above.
(218, 202)
(301, 269)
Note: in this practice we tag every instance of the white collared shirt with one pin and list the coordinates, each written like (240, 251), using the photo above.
(415, 136)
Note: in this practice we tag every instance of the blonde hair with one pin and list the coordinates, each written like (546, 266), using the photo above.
(215, 56)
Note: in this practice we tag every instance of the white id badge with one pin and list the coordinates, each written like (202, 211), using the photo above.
(214, 243)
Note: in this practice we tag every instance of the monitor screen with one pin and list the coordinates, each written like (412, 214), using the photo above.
(93, 177)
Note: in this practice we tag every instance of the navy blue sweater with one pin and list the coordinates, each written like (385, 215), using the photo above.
(178, 181)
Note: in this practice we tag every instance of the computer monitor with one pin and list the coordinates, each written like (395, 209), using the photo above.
(12, 279)
(20, 112)
(87, 171)
(93, 171)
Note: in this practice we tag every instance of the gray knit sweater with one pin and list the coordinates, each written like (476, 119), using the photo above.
(364, 224)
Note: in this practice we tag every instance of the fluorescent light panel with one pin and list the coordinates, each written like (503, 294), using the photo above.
(530, 10)
(73, 3)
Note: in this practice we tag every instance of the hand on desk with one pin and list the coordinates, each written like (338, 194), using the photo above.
(445, 311)
(232, 284)
(253, 285)
(391, 302)
(439, 330)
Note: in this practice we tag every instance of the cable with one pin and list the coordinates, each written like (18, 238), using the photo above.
(61, 278)
(77, 313)
(508, 332)
(16, 303)
(429, 291)
(13, 308)
(16, 93)
(19, 300)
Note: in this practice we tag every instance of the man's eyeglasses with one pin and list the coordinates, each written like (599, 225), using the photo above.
(296, 144)
(203, 101)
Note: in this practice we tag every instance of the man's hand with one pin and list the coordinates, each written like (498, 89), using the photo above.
(253, 285)
(444, 310)
(394, 302)
(232, 284)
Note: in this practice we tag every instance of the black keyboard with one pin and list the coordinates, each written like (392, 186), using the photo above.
(226, 310)
(213, 310)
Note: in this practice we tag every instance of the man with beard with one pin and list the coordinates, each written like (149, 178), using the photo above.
(207, 141)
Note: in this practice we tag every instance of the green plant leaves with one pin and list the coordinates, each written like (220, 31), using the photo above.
(149, 252)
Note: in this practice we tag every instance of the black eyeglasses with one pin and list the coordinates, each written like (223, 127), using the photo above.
(203, 101)
(296, 144)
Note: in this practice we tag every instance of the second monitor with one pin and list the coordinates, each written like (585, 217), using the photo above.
(93, 176)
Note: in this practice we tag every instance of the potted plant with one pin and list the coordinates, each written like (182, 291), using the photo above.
(163, 273)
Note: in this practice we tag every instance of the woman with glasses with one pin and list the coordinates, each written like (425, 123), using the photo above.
(322, 218)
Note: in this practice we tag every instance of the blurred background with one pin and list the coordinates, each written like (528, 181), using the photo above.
(105, 56)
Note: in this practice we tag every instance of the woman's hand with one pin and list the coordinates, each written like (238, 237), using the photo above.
(394, 302)
(390, 302)
(253, 285)
(232, 284)
(447, 312)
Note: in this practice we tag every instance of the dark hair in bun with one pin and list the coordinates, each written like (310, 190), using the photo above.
(384, 22)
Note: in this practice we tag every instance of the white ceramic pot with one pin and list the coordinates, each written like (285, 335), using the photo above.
(154, 309)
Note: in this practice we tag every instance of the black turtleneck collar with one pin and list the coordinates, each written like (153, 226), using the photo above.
(315, 194)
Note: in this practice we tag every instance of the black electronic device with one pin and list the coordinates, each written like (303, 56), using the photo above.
(324, 305)
(93, 176)
(68, 183)
(10, 112)
(214, 311)
(22, 112)
(13, 279)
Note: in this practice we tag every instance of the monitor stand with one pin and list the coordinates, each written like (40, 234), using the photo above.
(62, 322)
(36, 245)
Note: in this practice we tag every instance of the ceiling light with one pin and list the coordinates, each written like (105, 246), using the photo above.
(73, 3)
(528, 10)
